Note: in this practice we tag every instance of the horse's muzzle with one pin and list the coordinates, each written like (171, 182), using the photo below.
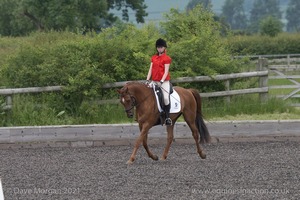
(129, 112)
(130, 115)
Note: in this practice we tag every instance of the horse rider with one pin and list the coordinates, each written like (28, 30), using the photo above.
(159, 71)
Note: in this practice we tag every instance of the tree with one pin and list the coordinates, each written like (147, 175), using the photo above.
(196, 44)
(19, 17)
(292, 16)
(260, 10)
(270, 26)
(8, 23)
(234, 14)
(193, 3)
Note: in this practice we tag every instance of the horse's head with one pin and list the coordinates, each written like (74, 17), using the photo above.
(127, 100)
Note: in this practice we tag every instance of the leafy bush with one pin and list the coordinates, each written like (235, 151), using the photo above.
(197, 47)
(82, 63)
(284, 43)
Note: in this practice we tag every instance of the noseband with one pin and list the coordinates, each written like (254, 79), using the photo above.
(133, 103)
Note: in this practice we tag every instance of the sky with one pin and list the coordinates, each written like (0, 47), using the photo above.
(156, 8)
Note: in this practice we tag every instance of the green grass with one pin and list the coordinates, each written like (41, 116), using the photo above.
(35, 110)
(275, 92)
(272, 82)
(248, 107)
(44, 109)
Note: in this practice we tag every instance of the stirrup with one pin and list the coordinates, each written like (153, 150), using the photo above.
(168, 122)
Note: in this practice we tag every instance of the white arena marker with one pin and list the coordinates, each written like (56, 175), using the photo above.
(1, 191)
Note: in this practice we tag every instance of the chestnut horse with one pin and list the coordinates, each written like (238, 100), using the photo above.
(140, 96)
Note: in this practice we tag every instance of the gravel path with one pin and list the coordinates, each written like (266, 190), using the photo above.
(241, 170)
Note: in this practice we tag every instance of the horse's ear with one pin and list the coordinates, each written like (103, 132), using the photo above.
(122, 90)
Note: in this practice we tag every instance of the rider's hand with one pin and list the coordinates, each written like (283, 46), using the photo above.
(160, 83)
(149, 83)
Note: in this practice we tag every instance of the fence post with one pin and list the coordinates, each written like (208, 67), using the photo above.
(227, 88)
(8, 104)
(263, 80)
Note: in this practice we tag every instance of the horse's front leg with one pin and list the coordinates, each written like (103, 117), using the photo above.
(169, 141)
(145, 144)
(136, 147)
(142, 137)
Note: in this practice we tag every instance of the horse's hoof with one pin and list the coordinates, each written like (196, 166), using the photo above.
(129, 162)
(155, 157)
(202, 155)
(163, 159)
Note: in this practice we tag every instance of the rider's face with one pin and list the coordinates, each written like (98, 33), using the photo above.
(160, 50)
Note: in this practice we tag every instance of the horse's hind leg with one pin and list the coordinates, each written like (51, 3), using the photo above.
(195, 133)
(169, 141)
(199, 149)
(145, 144)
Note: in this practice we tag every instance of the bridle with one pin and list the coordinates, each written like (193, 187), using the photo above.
(133, 103)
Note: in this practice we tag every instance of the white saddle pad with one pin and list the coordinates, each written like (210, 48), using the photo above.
(174, 100)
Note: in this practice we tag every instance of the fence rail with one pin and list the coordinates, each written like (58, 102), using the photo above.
(11, 91)
(263, 89)
(221, 77)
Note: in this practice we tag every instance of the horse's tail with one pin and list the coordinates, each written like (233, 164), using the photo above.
(203, 131)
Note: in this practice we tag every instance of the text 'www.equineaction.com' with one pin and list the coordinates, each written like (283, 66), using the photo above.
(241, 191)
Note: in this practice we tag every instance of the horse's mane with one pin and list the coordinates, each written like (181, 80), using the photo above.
(136, 83)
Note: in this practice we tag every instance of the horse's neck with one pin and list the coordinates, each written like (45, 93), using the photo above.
(141, 94)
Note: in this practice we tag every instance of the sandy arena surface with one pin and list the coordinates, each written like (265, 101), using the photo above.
(235, 170)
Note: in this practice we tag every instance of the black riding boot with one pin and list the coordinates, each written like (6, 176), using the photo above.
(168, 121)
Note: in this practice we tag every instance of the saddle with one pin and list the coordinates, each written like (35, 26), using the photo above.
(160, 100)
(160, 95)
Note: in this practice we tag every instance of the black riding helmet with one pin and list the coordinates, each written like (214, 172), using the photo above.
(160, 43)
